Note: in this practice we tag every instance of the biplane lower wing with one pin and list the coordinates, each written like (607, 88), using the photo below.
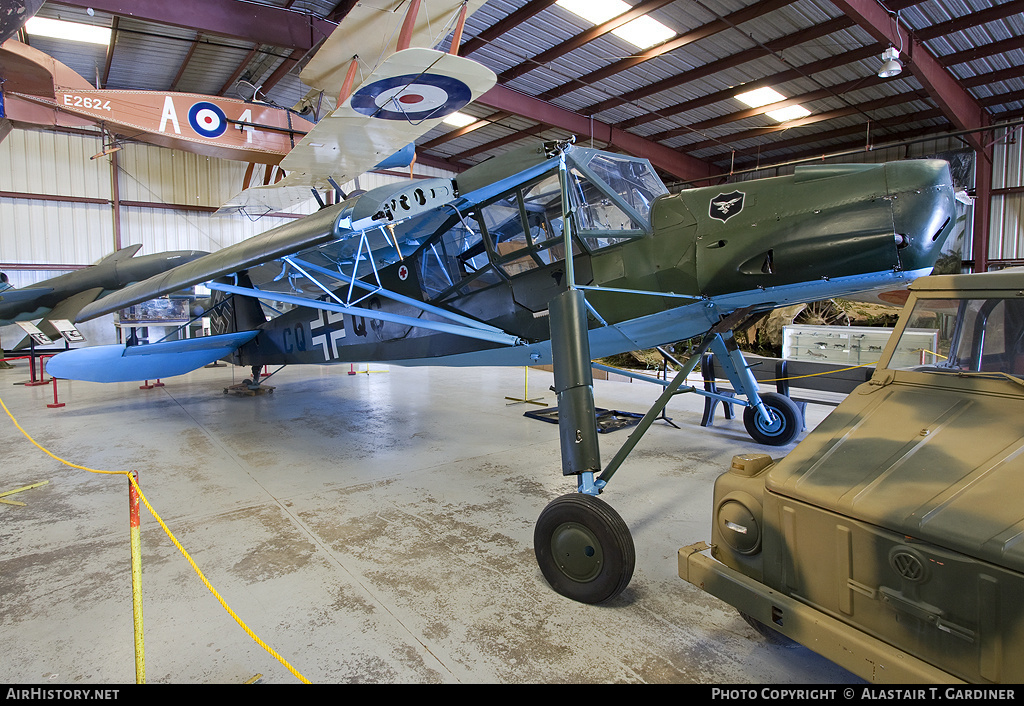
(404, 98)
(121, 363)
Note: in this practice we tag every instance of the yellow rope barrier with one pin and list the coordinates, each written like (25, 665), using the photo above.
(173, 539)
(827, 372)
(809, 375)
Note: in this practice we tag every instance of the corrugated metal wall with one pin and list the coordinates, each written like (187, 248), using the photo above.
(38, 231)
(1006, 239)
(79, 227)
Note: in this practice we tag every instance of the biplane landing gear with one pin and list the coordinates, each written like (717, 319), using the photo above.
(785, 420)
(584, 549)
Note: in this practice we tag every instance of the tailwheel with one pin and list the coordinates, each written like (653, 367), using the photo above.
(786, 420)
(584, 549)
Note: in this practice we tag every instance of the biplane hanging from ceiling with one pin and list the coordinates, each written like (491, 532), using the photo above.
(367, 122)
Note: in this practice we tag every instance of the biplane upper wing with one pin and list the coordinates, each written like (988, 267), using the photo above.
(370, 31)
(407, 95)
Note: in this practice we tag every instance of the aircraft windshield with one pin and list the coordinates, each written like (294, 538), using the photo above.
(963, 335)
(521, 229)
(633, 180)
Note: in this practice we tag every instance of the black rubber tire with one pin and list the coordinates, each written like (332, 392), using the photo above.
(780, 407)
(583, 548)
(768, 633)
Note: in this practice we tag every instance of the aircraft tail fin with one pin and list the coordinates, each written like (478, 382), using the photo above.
(122, 254)
(119, 363)
(232, 313)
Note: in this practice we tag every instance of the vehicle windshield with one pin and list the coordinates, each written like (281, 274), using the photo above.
(963, 335)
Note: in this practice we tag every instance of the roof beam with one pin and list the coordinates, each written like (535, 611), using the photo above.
(953, 100)
(499, 28)
(662, 157)
(582, 38)
(261, 24)
(746, 14)
(712, 67)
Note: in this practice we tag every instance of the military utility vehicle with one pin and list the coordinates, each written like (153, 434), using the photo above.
(891, 539)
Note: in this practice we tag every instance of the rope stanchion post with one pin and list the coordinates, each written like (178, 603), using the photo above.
(134, 501)
(136, 544)
(526, 396)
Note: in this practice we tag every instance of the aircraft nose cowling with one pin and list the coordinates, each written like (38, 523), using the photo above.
(923, 207)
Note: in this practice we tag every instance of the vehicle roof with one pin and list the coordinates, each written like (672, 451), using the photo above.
(1010, 278)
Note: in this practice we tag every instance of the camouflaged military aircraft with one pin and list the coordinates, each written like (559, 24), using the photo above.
(62, 297)
(473, 271)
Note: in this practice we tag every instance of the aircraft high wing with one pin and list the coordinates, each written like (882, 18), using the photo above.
(63, 297)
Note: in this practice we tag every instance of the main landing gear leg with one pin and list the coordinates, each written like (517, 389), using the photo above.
(583, 547)
(771, 419)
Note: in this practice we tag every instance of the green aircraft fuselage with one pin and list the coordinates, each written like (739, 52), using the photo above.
(497, 256)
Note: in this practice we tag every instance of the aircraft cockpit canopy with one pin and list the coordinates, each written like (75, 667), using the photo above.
(521, 228)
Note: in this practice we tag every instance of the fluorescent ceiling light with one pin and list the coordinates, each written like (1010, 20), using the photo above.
(458, 119)
(596, 11)
(760, 96)
(791, 113)
(73, 31)
(642, 32)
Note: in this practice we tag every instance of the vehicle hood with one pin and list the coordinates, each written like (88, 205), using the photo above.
(939, 464)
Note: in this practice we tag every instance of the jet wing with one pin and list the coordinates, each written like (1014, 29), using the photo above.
(66, 309)
(342, 222)
(405, 97)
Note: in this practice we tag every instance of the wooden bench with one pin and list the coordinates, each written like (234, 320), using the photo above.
(832, 381)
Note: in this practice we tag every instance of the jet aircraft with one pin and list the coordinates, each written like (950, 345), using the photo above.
(62, 297)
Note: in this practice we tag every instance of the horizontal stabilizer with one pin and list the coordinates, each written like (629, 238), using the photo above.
(152, 361)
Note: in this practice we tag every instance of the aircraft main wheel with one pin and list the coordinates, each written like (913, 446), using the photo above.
(785, 423)
(584, 549)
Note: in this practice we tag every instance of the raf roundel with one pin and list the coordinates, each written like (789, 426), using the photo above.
(412, 97)
(207, 119)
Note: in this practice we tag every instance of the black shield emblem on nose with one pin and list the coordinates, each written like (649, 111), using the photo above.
(725, 206)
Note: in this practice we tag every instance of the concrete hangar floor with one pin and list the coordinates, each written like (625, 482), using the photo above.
(372, 528)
